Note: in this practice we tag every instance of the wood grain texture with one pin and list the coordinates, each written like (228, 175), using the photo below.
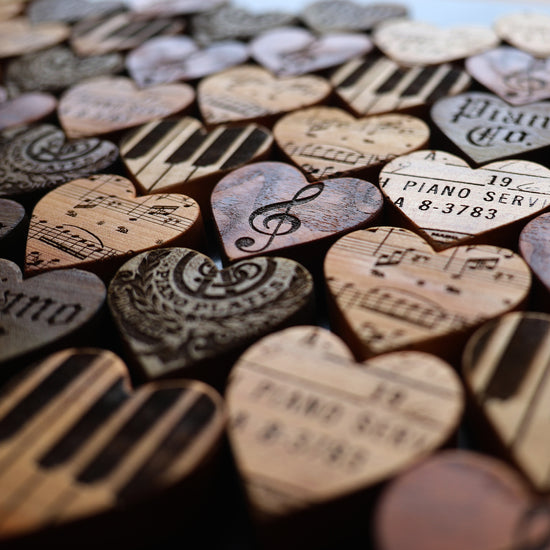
(430, 506)
(534, 246)
(326, 141)
(181, 155)
(26, 109)
(97, 223)
(414, 43)
(529, 32)
(40, 157)
(310, 425)
(40, 311)
(448, 203)
(389, 290)
(486, 128)
(91, 445)
(292, 51)
(107, 104)
(252, 93)
(375, 84)
(270, 207)
(180, 316)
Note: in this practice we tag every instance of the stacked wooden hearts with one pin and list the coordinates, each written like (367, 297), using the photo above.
(258, 268)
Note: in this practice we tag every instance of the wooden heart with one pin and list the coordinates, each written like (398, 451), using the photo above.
(505, 365)
(230, 22)
(326, 141)
(449, 203)
(11, 8)
(309, 425)
(529, 32)
(41, 311)
(172, 7)
(97, 223)
(107, 104)
(515, 76)
(295, 51)
(179, 315)
(252, 93)
(172, 58)
(376, 84)
(534, 246)
(70, 11)
(343, 15)
(26, 109)
(389, 290)
(417, 43)
(486, 128)
(18, 36)
(428, 507)
(13, 229)
(270, 206)
(89, 448)
(40, 157)
(58, 68)
(120, 31)
(180, 155)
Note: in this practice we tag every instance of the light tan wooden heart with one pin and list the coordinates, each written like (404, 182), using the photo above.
(99, 221)
(253, 93)
(449, 203)
(107, 104)
(309, 424)
(529, 32)
(326, 141)
(417, 43)
(389, 290)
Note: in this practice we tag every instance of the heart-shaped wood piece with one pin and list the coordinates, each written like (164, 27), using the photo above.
(107, 104)
(505, 365)
(412, 43)
(70, 11)
(40, 157)
(375, 84)
(157, 8)
(97, 223)
(252, 93)
(11, 8)
(180, 155)
(13, 229)
(26, 109)
(326, 141)
(389, 290)
(18, 36)
(180, 315)
(58, 68)
(486, 128)
(515, 76)
(429, 507)
(295, 51)
(449, 203)
(42, 311)
(270, 206)
(534, 246)
(309, 425)
(343, 15)
(94, 449)
(529, 32)
(172, 58)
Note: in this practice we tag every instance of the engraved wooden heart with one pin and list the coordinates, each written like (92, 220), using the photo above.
(449, 203)
(40, 157)
(97, 223)
(455, 489)
(107, 104)
(95, 450)
(26, 109)
(326, 141)
(389, 290)
(417, 43)
(270, 206)
(252, 93)
(529, 32)
(179, 315)
(486, 128)
(40, 311)
(309, 424)
(505, 366)
(534, 246)
(515, 76)
(295, 51)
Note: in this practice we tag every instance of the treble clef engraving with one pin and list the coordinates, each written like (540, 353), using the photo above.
(278, 223)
